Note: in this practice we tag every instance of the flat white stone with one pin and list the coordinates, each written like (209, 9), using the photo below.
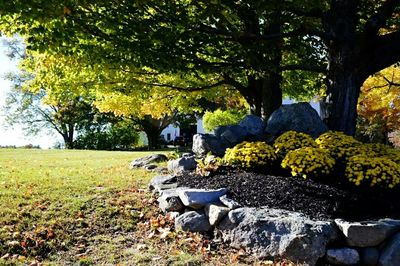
(199, 198)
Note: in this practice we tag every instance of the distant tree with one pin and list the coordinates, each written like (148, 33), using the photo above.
(35, 113)
(121, 135)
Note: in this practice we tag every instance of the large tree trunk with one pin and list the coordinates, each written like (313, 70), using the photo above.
(344, 77)
(153, 137)
(153, 128)
(266, 95)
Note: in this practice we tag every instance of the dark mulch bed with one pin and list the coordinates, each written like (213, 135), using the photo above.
(319, 201)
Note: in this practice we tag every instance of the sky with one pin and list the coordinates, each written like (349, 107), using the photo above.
(15, 136)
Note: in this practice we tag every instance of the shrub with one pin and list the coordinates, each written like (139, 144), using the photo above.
(211, 120)
(373, 171)
(251, 155)
(382, 150)
(292, 140)
(338, 145)
(308, 162)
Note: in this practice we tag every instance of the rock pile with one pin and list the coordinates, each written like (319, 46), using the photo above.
(267, 232)
(300, 117)
(149, 163)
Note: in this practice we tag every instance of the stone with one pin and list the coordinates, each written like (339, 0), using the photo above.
(269, 233)
(160, 180)
(179, 165)
(159, 188)
(390, 255)
(172, 192)
(253, 124)
(173, 215)
(205, 143)
(393, 222)
(219, 130)
(300, 117)
(228, 202)
(215, 213)
(366, 233)
(161, 170)
(234, 134)
(150, 167)
(198, 198)
(342, 256)
(140, 162)
(369, 256)
(170, 203)
(193, 221)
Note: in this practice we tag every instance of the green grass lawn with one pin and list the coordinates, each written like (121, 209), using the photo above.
(68, 207)
(55, 201)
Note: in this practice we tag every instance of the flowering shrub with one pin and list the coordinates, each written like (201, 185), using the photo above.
(373, 171)
(383, 151)
(251, 155)
(308, 162)
(292, 140)
(338, 144)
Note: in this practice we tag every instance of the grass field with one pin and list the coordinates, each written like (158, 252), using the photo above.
(67, 207)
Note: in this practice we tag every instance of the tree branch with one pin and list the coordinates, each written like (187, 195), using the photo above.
(219, 83)
(247, 36)
(378, 20)
(387, 53)
(312, 13)
(312, 68)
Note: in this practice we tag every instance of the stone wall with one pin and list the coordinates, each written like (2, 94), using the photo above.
(271, 233)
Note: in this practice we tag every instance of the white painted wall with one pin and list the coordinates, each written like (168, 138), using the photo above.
(200, 127)
(172, 130)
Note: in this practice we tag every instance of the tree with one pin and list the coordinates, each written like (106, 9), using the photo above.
(118, 135)
(123, 92)
(250, 45)
(65, 117)
(240, 43)
(362, 38)
(379, 103)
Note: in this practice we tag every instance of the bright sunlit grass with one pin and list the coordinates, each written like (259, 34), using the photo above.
(51, 188)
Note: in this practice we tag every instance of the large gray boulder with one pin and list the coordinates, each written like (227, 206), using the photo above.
(369, 256)
(198, 198)
(234, 134)
(151, 159)
(271, 232)
(193, 221)
(300, 117)
(390, 255)
(185, 163)
(366, 233)
(253, 124)
(205, 143)
(342, 256)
